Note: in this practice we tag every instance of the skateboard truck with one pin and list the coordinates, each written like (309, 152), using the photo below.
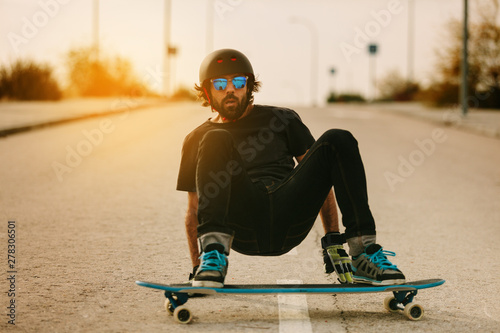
(403, 301)
(174, 304)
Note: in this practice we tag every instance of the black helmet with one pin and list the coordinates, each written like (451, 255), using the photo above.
(224, 62)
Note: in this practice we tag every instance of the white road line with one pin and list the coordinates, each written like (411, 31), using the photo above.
(293, 311)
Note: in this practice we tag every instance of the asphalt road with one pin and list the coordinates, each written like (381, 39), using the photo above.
(95, 208)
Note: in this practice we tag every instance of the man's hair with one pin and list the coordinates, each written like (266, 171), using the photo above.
(253, 86)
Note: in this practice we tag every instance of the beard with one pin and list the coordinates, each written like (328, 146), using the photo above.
(231, 108)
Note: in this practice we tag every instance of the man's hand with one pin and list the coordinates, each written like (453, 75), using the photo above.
(336, 259)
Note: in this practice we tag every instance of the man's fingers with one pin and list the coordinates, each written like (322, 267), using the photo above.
(339, 262)
(347, 266)
(344, 271)
(341, 272)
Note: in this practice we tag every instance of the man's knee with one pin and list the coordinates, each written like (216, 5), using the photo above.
(217, 136)
(339, 137)
(216, 140)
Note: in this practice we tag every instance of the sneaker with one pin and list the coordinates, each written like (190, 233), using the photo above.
(373, 267)
(213, 267)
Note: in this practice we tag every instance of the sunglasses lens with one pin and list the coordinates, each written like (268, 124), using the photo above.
(239, 82)
(220, 84)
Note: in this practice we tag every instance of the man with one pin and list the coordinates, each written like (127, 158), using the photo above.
(246, 193)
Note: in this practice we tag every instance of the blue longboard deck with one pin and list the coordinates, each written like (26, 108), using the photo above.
(291, 288)
(178, 294)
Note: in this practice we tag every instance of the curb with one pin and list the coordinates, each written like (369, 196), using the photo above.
(21, 129)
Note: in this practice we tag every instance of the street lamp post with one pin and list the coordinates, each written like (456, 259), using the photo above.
(465, 61)
(372, 50)
(210, 26)
(411, 39)
(332, 82)
(166, 55)
(314, 54)
(95, 25)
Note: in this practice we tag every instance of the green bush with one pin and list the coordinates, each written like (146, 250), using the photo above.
(346, 98)
(27, 80)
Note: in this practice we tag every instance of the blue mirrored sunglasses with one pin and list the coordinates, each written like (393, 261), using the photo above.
(238, 82)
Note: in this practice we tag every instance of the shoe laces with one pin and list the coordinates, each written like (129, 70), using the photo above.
(212, 261)
(379, 258)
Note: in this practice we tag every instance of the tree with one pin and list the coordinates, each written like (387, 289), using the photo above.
(27, 80)
(90, 75)
(484, 59)
(396, 88)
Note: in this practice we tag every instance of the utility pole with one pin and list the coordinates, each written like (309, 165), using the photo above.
(314, 54)
(465, 61)
(372, 50)
(166, 55)
(411, 38)
(210, 27)
(333, 71)
(95, 27)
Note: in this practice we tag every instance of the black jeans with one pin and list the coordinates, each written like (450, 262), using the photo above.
(271, 218)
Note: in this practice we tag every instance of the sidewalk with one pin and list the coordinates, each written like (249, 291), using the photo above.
(483, 122)
(17, 117)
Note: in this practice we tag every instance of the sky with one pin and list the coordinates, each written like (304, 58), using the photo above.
(276, 35)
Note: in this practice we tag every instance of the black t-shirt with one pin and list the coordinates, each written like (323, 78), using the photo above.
(267, 140)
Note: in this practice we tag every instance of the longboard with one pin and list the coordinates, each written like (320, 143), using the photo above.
(402, 300)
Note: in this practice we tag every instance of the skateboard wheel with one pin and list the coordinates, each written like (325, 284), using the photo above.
(414, 311)
(169, 307)
(391, 304)
(182, 315)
